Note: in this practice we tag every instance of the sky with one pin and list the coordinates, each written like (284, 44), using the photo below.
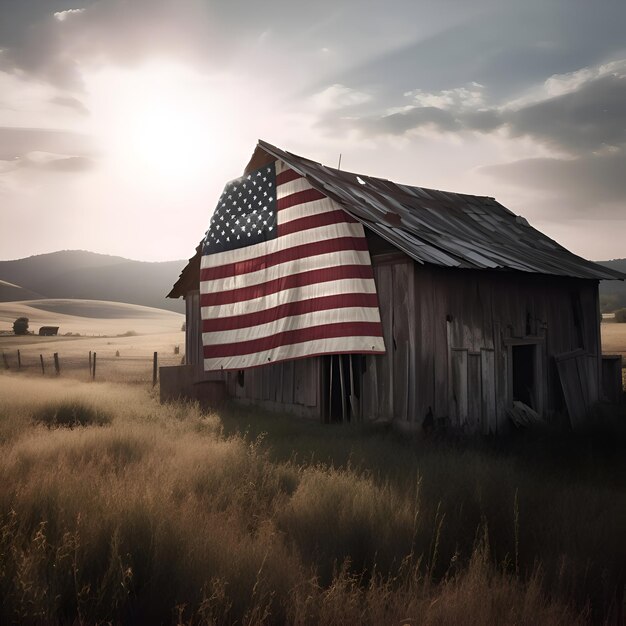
(121, 120)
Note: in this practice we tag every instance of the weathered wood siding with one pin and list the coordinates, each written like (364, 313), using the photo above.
(450, 336)
(291, 386)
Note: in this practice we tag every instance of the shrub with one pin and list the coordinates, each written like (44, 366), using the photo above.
(70, 414)
(20, 326)
(620, 316)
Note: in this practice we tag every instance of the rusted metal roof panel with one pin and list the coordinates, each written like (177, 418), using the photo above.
(443, 228)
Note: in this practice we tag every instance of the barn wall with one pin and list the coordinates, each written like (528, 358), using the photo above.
(451, 336)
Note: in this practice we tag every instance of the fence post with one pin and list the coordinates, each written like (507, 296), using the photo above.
(4, 358)
(57, 369)
(154, 369)
(43, 370)
(19, 360)
(89, 362)
(93, 373)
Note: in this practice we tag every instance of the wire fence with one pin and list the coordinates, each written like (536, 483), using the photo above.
(91, 365)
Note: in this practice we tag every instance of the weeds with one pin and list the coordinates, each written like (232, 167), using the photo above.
(170, 515)
(70, 414)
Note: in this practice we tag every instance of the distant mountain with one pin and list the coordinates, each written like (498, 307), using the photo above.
(10, 292)
(90, 276)
(613, 292)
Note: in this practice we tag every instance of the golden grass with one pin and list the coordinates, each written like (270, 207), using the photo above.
(168, 515)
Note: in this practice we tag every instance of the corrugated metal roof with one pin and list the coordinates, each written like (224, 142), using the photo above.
(430, 226)
(442, 228)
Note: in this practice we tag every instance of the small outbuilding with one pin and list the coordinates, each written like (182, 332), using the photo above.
(485, 320)
(48, 331)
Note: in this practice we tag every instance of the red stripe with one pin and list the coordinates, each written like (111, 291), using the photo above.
(301, 307)
(289, 337)
(287, 176)
(315, 221)
(308, 195)
(287, 282)
(284, 256)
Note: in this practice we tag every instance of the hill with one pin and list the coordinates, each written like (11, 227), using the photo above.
(9, 291)
(90, 317)
(78, 274)
(613, 292)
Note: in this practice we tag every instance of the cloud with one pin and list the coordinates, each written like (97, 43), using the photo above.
(571, 187)
(338, 97)
(71, 103)
(61, 16)
(589, 112)
(17, 142)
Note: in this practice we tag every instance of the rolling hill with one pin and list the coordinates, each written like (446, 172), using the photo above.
(90, 317)
(79, 274)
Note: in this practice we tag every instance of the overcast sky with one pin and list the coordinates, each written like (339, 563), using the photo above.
(121, 120)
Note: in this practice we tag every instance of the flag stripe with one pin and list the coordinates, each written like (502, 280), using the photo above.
(317, 347)
(304, 286)
(293, 323)
(287, 176)
(263, 275)
(298, 307)
(286, 282)
(308, 208)
(281, 243)
(315, 221)
(342, 329)
(284, 256)
(319, 290)
(297, 198)
(293, 186)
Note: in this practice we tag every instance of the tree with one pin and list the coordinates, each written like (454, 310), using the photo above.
(20, 326)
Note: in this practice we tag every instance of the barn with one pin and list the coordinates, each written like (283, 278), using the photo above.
(485, 320)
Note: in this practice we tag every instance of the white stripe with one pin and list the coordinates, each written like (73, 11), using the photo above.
(295, 322)
(335, 345)
(323, 233)
(281, 166)
(318, 290)
(293, 186)
(317, 262)
(305, 209)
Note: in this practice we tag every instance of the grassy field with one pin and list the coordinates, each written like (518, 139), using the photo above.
(124, 336)
(613, 338)
(114, 508)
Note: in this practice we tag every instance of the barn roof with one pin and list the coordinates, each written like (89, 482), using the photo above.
(437, 227)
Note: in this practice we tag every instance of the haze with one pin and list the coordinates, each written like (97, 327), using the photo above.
(121, 121)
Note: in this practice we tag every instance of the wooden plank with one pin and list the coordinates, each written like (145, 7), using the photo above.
(299, 381)
(474, 405)
(401, 354)
(287, 384)
(342, 387)
(312, 388)
(488, 391)
(384, 286)
(266, 372)
(459, 401)
(425, 344)
(574, 389)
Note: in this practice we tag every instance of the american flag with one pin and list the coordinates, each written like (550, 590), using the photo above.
(285, 273)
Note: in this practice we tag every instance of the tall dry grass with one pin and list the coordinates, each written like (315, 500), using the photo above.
(165, 514)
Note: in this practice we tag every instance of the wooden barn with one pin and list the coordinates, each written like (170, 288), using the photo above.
(485, 319)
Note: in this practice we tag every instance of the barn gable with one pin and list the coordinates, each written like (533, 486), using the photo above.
(481, 313)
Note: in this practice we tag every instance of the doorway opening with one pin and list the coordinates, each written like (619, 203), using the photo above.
(524, 364)
(343, 387)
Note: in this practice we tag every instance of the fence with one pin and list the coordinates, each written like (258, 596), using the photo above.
(103, 366)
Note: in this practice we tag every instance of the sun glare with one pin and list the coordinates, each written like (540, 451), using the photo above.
(158, 120)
